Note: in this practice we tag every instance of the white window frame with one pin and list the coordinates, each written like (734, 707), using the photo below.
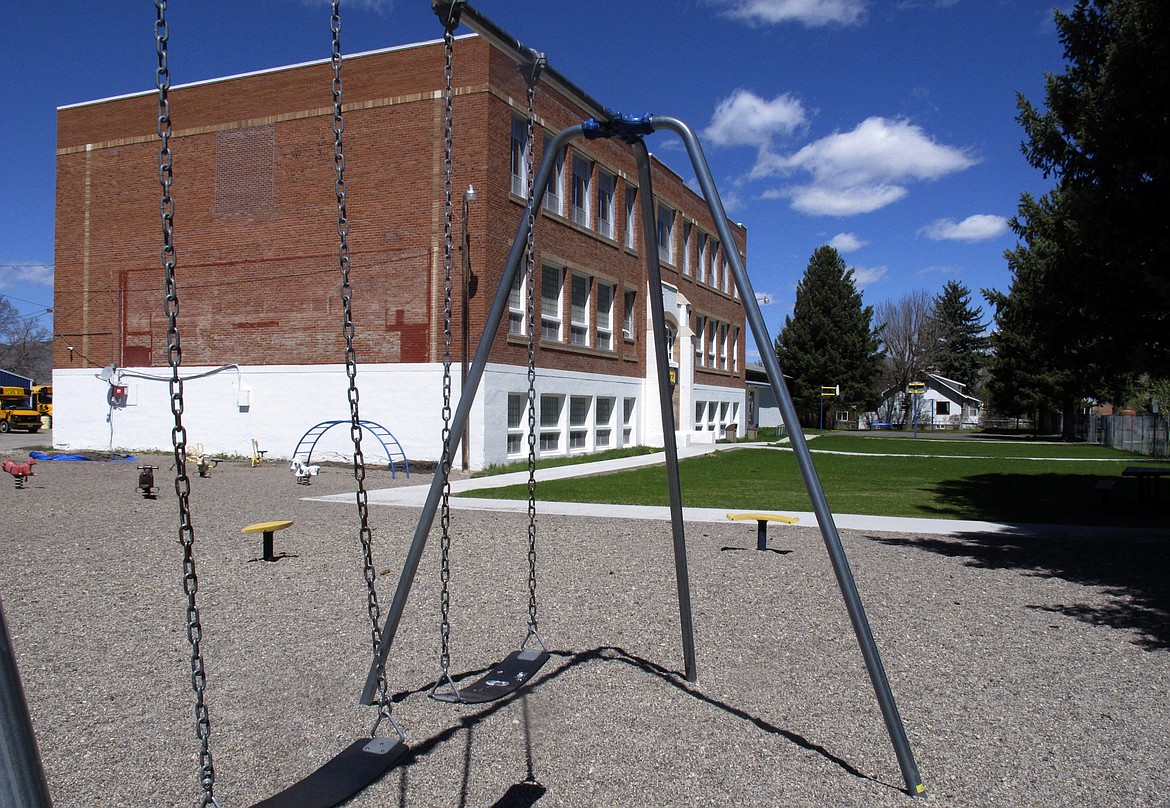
(700, 415)
(700, 339)
(666, 216)
(631, 217)
(629, 421)
(603, 424)
(630, 314)
(519, 156)
(605, 295)
(688, 228)
(606, 183)
(712, 275)
(579, 423)
(701, 255)
(519, 429)
(551, 429)
(582, 185)
(712, 336)
(579, 312)
(552, 313)
(554, 195)
(518, 306)
(724, 332)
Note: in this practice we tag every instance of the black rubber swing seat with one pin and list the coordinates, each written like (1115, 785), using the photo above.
(502, 680)
(356, 767)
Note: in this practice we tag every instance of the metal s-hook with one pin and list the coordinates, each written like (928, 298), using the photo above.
(448, 11)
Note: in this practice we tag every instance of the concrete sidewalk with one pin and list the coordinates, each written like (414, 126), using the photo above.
(414, 496)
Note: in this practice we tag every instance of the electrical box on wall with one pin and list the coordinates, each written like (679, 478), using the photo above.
(244, 399)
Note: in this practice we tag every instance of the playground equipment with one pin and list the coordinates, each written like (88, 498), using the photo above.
(146, 485)
(367, 759)
(20, 471)
(762, 520)
(268, 531)
(633, 130)
(394, 454)
(303, 472)
(204, 462)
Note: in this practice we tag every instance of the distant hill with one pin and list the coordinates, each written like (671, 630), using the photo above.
(33, 359)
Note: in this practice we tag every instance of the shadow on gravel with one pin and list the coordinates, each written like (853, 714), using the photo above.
(526, 793)
(1134, 573)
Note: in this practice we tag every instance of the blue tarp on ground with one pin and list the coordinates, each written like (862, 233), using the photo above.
(113, 458)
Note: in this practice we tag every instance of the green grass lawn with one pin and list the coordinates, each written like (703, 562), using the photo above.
(951, 479)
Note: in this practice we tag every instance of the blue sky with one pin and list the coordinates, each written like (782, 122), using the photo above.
(885, 128)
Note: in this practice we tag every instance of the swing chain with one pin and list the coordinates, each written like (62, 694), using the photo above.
(530, 276)
(359, 464)
(448, 262)
(179, 433)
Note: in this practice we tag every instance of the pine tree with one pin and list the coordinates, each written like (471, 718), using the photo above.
(829, 338)
(962, 346)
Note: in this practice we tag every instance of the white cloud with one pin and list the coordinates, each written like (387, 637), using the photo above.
(865, 276)
(828, 200)
(25, 272)
(847, 242)
(746, 119)
(864, 169)
(980, 227)
(811, 13)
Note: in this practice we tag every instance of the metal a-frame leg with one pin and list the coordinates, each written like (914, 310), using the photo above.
(832, 539)
(669, 441)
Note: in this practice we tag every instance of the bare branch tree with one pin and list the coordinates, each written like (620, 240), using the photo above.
(910, 338)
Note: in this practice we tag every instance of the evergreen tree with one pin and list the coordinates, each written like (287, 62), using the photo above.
(1089, 303)
(829, 339)
(962, 346)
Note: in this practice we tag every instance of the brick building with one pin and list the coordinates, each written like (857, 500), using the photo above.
(256, 240)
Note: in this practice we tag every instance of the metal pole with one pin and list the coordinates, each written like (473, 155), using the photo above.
(459, 420)
(22, 777)
(836, 550)
(666, 404)
(465, 247)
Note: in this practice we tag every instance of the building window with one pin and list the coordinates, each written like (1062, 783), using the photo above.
(603, 434)
(519, 157)
(723, 332)
(671, 338)
(686, 251)
(631, 216)
(579, 423)
(605, 292)
(711, 340)
(726, 274)
(942, 408)
(723, 406)
(712, 277)
(516, 307)
(554, 195)
(579, 311)
(700, 407)
(605, 186)
(700, 335)
(551, 315)
(665, 234)
(701, 255)
(628, 324)
(628, 436)
(582, 178)
(517, 405)
(550, 423)
(735, 349)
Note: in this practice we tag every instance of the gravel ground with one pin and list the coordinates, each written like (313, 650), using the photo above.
(1028, 671)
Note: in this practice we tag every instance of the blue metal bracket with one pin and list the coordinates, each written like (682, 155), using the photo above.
(630, 128)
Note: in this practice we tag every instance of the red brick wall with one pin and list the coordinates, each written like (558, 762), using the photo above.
(255, 219)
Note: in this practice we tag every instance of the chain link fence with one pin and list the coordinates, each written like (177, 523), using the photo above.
(1144, 434)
